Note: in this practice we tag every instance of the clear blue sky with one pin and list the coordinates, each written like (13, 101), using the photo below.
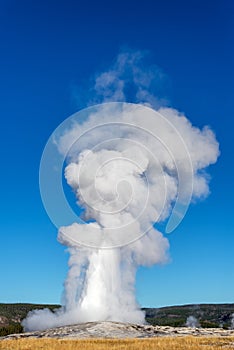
(47, 48)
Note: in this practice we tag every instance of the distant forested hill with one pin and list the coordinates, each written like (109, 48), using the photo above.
(208, 315)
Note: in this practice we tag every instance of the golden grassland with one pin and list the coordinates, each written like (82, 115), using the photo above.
(175, 343)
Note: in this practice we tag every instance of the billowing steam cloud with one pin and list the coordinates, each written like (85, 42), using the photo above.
(127, 165)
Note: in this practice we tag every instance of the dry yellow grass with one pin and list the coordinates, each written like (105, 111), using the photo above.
(180, 343)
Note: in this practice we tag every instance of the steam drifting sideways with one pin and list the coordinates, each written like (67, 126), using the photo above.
(129, 166)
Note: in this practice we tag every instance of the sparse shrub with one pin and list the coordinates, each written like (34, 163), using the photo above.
(208, 324)
(225, 326)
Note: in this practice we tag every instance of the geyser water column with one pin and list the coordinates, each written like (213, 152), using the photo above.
(129, 167)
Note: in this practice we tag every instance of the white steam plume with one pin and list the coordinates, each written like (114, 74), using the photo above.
(232, 322)
(192, 322)
(129, 79)
(126, 164)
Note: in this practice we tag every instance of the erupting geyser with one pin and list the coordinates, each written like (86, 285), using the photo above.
(129, 167)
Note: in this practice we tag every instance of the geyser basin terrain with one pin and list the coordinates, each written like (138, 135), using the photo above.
(129, 167)
(121, 330)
